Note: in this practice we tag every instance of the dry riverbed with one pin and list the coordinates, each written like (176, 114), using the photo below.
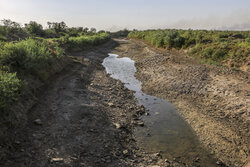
(86, 118)
(83, 118)
(214, 101)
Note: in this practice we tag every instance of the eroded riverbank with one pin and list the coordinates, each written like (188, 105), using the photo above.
(213, 100)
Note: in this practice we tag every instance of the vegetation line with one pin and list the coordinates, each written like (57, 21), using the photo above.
(229, 48)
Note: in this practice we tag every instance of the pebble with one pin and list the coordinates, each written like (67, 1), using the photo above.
(56, 159)
(17, 142)
(140, 123)
(197, 159)
(125, 152)
(38, 122)
(111, 105)
(118, 126)
(157, 154)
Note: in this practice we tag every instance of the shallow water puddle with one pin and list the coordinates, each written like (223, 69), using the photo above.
(164, 131)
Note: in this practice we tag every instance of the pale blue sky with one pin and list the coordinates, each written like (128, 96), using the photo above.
(139, 14)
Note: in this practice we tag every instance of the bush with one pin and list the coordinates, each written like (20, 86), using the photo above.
(194, 50)
(219, 55)
(31, 55)
(173, 39)
(9, 89)
(86, 40)
(210, 46)
(51, 33)
(207, 53)
(2, 38)
(157, 40)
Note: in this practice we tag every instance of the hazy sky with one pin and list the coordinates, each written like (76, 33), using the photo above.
(138, 14)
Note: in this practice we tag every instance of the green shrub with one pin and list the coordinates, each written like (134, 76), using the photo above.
(207, 52)
(31, 55)
(173, 39)
(2, 38)
(195, 50)
(87, 40)
(157, 40)
(209, 46)
(219, 55)
(9, 89)
(51, 33)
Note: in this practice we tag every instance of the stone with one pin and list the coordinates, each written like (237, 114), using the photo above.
(125, 152)
(111, 105)
(157, 154)
(197, 159)
(118, 126)
(38, 122)
(56, 159)
(17, 142)
(140, 123)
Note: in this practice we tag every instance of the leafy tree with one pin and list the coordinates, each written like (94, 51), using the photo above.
(93, 30)
(10, 24)
(10, 30)
(57, 26)
(85, 30)
(34, 28)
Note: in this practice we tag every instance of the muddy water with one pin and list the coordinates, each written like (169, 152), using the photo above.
(164, 131)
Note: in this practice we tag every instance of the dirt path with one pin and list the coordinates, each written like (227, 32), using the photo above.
(213, 100)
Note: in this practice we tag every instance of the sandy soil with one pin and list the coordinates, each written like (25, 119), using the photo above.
(215, 101)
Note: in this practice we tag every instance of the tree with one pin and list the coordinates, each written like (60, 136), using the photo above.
(10, 29)
(85, 30)
(93, 30)
(34, 28)
(10, 24)
(58, 27)
(49, 24)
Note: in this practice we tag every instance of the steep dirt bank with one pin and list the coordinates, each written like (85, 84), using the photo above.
(84, 118)
(213, 100)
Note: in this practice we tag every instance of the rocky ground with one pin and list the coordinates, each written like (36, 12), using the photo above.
(215, 101)
(83, 118)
